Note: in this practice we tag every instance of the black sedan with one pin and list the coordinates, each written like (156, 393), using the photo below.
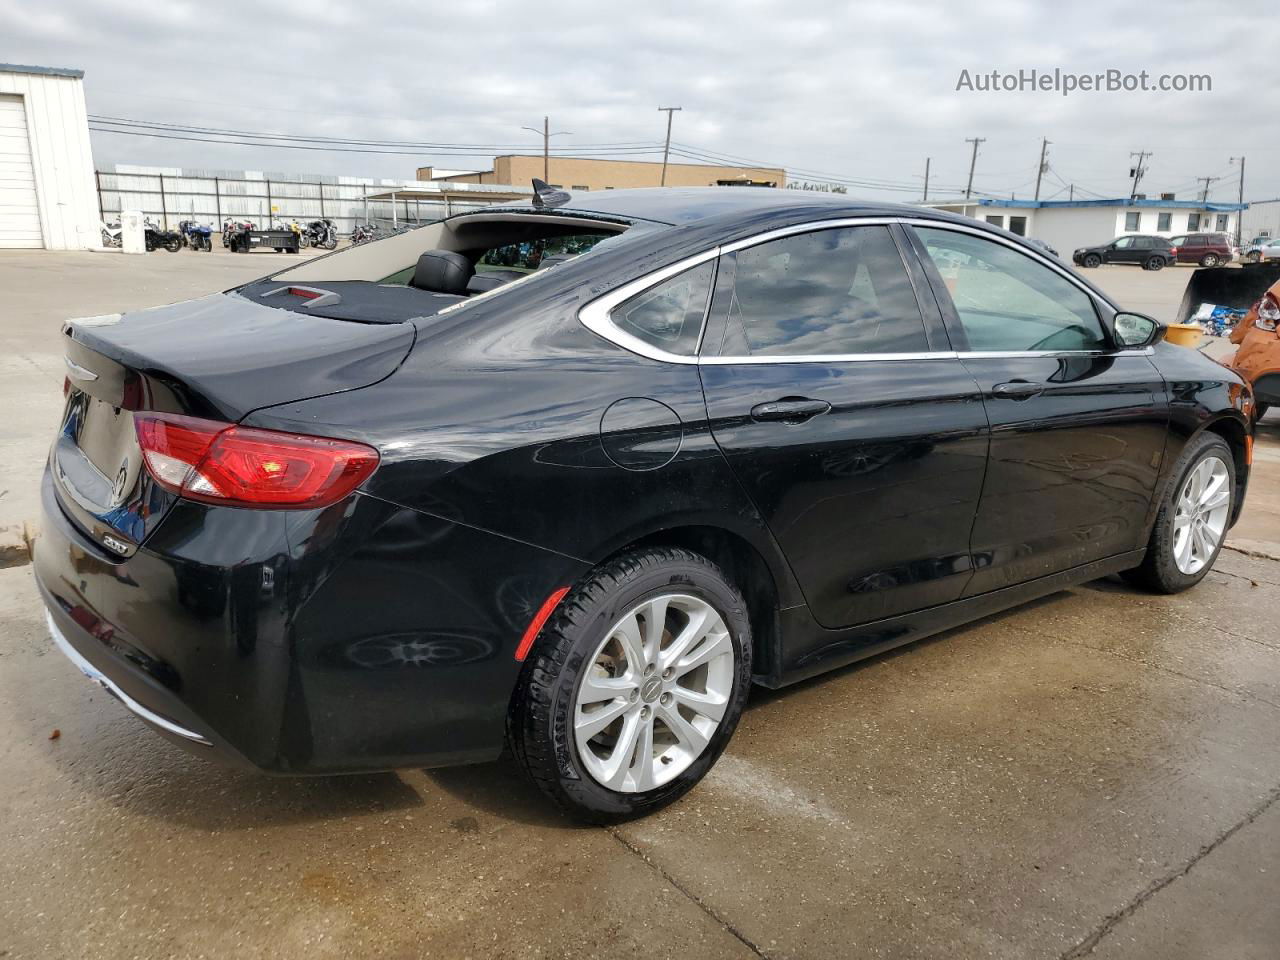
(570, 479)
(1150, 253)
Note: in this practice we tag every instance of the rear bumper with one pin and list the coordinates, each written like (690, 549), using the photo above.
(157, 720)
(361, 637)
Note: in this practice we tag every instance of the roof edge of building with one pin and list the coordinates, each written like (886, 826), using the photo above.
(71, 72)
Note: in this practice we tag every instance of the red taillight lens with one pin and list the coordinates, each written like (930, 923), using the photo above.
(1268, 313)
(243, 466)
(1173, 251)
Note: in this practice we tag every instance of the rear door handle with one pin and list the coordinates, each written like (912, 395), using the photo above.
(789, 410)
(1017, 390)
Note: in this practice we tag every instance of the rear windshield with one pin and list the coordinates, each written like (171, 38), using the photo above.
(422, 271)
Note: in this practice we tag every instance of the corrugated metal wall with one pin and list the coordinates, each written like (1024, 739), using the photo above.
(61, 157)
(171, 194)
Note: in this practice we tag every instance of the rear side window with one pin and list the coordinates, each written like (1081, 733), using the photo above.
(669, 316)
(841, 291)
(1008, 301)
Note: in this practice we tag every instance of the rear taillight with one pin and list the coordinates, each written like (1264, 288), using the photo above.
(1268, 313)
(1173, 251)
(246, 467)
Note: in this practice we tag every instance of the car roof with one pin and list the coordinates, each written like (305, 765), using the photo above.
(685, 205)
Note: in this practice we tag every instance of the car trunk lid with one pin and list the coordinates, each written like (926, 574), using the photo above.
(217, 358)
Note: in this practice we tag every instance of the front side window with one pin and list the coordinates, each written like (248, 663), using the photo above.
(1009, 302)
(1177, 241)
(1124, 243)
(1133, 221)
(840, 291)
(669, 316)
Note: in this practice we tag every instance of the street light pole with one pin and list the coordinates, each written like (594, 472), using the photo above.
(546, 135)
(1240, 201)
(666, 149)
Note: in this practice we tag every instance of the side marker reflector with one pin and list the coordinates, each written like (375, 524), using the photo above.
(535, 625)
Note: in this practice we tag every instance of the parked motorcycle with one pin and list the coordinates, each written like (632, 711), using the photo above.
(320, 233)
(363, 233)
(155, 237)
(112, 234)
(197, 236)
(232, 227)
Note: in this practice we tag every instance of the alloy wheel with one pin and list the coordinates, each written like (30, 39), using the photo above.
(653, 693)
(1201, 516)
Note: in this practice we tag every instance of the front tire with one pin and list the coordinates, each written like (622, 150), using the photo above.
(634, 686)
(1092, 260)
(1209, 260)
(1192, 523)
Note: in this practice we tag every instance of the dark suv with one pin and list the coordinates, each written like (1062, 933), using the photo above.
(1206, 249)
(1153, 253)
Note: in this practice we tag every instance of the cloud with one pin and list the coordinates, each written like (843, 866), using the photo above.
(865, 91)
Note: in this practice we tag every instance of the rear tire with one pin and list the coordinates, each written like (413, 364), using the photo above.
(583, 649)
(1154, 263)
(1161, 570)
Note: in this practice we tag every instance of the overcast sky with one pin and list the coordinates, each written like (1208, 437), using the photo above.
(862, 91)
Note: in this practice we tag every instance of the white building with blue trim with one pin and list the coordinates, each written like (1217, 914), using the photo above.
(1067, 225)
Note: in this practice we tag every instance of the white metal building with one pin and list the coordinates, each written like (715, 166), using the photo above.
(1069, 224)
(47, 196)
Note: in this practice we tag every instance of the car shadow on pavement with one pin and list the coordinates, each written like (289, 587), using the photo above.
(501, 789)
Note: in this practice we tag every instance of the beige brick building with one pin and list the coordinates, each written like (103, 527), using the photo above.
(576, 173)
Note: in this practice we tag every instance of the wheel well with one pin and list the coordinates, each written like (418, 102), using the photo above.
(746, 569)
(1233, 432)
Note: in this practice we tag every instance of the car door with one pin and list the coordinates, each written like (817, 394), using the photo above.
(1122, 251)
(1077, 426)
(846, 417)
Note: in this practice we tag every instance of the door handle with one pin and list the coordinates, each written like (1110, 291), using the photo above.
(1017, 390)
(789, 410)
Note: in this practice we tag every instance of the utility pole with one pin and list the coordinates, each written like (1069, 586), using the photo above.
(925, 199)
(1044, 148)
(1137, 171)
(1071, 192)
(666, 149)
(546, 135)
(1204, 194)
(1240, 200)
(973, 162)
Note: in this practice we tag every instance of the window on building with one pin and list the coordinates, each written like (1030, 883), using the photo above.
(841, 291)
(669, 316)
(1193, 221)
(1221, 223)
(1164, 221)
(1008, 301)
(996, 221)
(1133, 221)
(580, 187)
(1018, 225)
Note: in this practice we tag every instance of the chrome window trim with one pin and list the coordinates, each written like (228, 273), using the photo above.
(595, 316)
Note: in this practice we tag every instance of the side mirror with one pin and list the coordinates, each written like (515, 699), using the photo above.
(1134, 330)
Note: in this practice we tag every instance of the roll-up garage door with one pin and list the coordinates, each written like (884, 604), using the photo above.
(19, 213)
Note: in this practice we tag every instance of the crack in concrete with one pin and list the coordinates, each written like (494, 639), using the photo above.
(702, 905)
(1113, 920)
